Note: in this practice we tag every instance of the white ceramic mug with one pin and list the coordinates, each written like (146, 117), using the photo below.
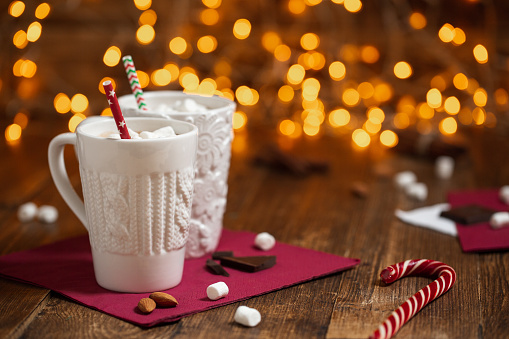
(215, 135)
(137, 200)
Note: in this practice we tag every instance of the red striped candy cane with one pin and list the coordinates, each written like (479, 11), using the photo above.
(432, 268)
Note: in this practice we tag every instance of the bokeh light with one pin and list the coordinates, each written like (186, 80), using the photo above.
(178, 45)
(448, 126)
(42, 11)
(402, 70)
(145, 34)
(310, 41)
(75, 120)
(239, 120)
(481, 54)
(242, 29)
(143, 4)
(337, 70)
(62, 103)
(417, 20)
(207, 44)
(361, 138)
(34, 31)
(79, 103)
(112, 56)
(16, 8)
(389, 138)
(13, 133)
(434, 98)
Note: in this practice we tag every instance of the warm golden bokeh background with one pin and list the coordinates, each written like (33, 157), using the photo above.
(304, 68)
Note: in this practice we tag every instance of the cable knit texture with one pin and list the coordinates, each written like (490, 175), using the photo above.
(142, 215)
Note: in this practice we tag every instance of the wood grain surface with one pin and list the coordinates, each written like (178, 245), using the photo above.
(316, 211)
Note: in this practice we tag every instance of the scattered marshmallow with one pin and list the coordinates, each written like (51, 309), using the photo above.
(247, 316)
(499, 219)
(265, 241)
(444, 166)
(47, 214)
(503, 193)
(217, 291)
(27, 212)
(417, 191)
(405, 178)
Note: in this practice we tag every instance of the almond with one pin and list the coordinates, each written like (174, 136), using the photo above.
(164, 299)
(146, 305)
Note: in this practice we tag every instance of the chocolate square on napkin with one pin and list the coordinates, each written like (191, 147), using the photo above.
(469, 214)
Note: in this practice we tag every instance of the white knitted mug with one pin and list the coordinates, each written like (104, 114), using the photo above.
(213, 116)
(137, 200)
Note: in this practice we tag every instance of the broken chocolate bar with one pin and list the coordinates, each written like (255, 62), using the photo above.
(468, 214)
(249, 264)
(216, 268)
(219, 254)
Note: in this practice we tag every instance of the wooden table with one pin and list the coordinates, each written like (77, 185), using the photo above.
(317, 211)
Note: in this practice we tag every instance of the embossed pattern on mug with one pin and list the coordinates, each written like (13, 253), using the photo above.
(211, 186)
(116, 204)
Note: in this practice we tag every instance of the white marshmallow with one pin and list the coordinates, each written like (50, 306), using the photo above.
(247, 316)
(405, 178)
(182, 106)
(444, 167)
(265, 241)
(217, 291)
(165, 132)
(47, 214)
(147, 135)
(499, 219)
(27, 212)
(503, 193)
(417, 190)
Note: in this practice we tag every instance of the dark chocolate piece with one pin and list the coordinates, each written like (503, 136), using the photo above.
(249, 264)
(216, 268)
(468, 214)
(219, 254)
(274, 157)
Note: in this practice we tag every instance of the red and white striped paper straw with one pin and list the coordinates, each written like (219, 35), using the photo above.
(115, 109)
(134, 82)
(398, 318)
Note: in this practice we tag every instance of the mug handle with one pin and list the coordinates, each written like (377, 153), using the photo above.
(60, 176)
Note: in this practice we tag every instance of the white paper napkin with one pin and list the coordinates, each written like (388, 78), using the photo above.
(429, 217)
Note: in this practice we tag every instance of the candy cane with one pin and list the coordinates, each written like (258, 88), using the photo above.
(432, 268)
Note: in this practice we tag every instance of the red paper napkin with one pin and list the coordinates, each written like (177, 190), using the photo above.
(480, 237)
(66, 267)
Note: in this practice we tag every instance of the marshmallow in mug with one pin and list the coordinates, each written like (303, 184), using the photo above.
(164, 132)
(182, 106)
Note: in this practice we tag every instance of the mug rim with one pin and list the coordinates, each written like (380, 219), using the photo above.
(227, 103)
(81, 129)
